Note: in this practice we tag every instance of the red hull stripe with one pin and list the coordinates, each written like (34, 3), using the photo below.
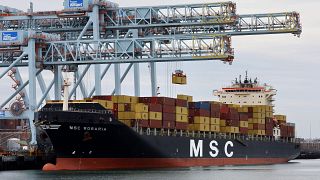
(144, 163)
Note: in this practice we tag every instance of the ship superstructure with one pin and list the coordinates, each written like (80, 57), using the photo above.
(246, 92)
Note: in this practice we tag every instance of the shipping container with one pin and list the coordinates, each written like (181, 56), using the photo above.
(182, 125)
(215, 121)
(214, 128)
(185, 97)
(181, 103)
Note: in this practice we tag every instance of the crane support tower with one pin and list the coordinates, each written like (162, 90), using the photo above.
(90, 33)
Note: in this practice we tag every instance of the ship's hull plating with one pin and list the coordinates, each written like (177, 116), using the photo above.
(87, 146)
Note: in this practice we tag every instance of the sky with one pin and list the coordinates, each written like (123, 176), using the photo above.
(289, 64)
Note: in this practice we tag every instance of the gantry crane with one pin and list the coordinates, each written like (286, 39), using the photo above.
(94, 32)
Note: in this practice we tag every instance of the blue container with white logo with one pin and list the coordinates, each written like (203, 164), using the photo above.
(77, 4)
(13, 37)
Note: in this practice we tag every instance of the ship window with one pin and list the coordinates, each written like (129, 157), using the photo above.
(245, 102)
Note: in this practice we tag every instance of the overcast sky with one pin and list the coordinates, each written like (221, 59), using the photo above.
(290, 64)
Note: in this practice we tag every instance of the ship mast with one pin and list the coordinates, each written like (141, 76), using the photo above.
(66, 84)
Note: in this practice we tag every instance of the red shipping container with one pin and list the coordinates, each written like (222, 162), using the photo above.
(284, 130)
(243, 130)
(250, 109)
(155, 107)
(107, 98)
(243, 116)
(169, 117)
(155, 124)
(115, 107)
(215, 114)
(199, 112)
(143, 123)
(224, 108)
(168, 125)
(269, 126)
(250, 115)
(168, 109)
(181, 126)
(181, 103)
(146, 100)
(163, 101)
(259, 126)
(233, 123)
(215, 108)
(269, 132)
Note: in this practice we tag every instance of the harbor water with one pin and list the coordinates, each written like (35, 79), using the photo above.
(295, 170)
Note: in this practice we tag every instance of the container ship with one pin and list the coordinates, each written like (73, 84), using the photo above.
(126, 132)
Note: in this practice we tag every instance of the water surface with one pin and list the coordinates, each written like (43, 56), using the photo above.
(295, 170)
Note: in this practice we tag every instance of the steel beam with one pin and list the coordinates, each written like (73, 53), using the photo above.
(123, 77)
(96, 36)
(13, 64)
(102, 76)
(57, 82)
(136, 79)
(117, 79)
(32, 89)
(79, 81)
(45, 94)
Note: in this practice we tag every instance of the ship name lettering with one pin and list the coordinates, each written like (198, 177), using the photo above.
(94, 129)
(228, 154)
(76, 128)
(196, 148)
(213, 146)
(196, 151)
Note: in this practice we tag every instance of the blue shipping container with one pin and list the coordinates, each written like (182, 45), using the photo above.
(202, 105)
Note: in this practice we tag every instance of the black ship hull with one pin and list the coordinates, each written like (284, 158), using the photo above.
(105, 143)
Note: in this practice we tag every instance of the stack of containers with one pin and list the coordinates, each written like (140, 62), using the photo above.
(168, 114)
(185, 97)
(281, 119)
(257, 123)
(270, 124)
(181, 114)
(199, 116)
(230, 115)
(224, 109)
(291, 130)
(215, 117)
(124, 107)
(154, 113)
(244, 118)
(141, 114)
(269, 121)
(105, 101)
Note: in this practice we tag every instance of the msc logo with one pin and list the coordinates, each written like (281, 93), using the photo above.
(196, 149)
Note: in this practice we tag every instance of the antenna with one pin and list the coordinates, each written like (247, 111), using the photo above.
(240, 79)
(31, 7)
